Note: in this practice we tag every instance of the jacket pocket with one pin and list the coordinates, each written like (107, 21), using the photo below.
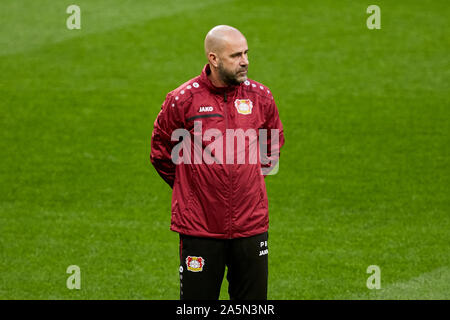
(175, 212)
(262, 193)
(190, 200)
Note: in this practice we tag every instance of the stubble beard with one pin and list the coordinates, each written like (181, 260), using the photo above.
(231, 78)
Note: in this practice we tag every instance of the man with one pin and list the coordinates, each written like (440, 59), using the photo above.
(219, 208)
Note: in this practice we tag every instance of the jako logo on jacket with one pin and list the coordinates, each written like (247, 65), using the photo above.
(205, 109)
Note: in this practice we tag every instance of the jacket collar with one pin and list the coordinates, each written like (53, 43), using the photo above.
(218, 90)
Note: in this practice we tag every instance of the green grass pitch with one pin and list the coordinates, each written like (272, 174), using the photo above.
(364, 173)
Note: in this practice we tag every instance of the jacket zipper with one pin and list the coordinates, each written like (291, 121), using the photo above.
(230, 172)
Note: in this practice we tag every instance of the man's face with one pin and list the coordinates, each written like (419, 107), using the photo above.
(233, 61)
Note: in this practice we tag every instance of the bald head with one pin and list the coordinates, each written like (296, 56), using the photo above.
(218, 37)
(226, 50)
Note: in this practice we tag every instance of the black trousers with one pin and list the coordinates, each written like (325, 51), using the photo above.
(203, 261)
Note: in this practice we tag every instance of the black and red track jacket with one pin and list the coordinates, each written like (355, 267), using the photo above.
(220, 199)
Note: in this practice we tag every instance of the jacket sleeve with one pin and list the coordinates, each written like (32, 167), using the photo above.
(271, 150)
(168, 120)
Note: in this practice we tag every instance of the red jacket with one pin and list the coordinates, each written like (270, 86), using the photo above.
(220, 199)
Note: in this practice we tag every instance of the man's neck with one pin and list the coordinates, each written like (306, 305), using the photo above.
(215, 80)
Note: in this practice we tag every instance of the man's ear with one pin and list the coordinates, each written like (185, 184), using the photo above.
(213, 59)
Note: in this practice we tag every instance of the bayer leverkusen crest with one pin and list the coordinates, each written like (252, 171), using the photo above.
(243, 106)
(195, 264)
